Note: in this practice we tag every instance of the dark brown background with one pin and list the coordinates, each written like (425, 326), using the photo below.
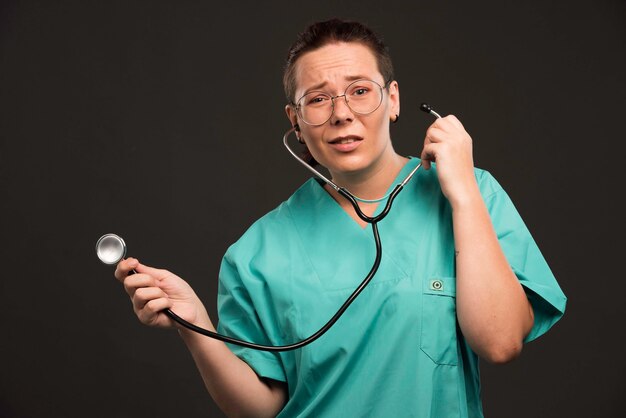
(162, 121)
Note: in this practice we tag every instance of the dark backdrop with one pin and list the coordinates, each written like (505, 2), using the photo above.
(162, 121)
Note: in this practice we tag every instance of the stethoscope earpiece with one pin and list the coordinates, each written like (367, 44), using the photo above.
(425, 107)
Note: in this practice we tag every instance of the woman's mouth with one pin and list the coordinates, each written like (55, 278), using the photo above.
(345, 143)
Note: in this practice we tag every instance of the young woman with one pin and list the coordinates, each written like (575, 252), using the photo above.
(460, 277)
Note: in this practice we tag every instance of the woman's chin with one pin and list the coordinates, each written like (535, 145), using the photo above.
(349, 165)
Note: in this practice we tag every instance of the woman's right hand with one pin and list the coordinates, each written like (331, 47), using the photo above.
(232, 383)
(152, 290)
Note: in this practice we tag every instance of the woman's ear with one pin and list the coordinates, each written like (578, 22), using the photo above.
(291, 115)
(394, 99)
(293, 119)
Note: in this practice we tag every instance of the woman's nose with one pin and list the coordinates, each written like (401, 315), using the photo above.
(341, 110)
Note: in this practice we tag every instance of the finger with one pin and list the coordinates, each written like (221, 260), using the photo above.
(144, 295)
(136, 281)
(159, 274)
(448, 131)
(151, 310)
(124, 267)
(429, 154)
(454, 121)
(434, 134)
(448, 124)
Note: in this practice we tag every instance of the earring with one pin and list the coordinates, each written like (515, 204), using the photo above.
(396, 119)
(296, 127)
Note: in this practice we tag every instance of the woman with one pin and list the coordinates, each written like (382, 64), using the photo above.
(460, 277)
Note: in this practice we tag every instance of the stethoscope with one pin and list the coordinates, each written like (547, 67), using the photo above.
(111, 249)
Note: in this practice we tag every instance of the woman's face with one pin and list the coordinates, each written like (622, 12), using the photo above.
(348, 143)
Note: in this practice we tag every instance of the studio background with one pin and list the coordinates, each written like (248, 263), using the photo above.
(162, 121)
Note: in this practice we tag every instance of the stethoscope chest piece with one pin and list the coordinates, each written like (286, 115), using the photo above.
(111, 249)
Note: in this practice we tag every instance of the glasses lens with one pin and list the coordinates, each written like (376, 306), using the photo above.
(364, 96)
(315, 107)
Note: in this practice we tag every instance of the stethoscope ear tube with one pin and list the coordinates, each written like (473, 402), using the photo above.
(296, 128)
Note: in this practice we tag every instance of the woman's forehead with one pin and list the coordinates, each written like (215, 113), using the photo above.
(335, 65)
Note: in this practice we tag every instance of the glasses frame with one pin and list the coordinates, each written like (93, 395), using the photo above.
(298, 106)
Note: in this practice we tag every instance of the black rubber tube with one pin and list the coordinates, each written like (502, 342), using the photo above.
(379, 252)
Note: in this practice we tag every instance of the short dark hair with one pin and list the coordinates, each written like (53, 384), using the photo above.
(320, 34)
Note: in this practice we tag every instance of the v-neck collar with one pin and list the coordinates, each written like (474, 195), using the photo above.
(335, 247)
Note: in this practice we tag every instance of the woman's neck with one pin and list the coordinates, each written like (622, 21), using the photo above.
(373, 182)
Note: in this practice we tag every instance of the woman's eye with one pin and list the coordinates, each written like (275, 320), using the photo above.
(316, 100)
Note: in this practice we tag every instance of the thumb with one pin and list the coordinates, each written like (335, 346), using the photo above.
(425, 161)
(428, 155)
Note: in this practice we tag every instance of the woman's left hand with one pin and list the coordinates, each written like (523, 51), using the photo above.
(449, 146)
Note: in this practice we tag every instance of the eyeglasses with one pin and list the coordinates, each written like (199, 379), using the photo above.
(361, 96)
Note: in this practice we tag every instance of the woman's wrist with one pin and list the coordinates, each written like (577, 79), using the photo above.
(202, 320)
(467, 197)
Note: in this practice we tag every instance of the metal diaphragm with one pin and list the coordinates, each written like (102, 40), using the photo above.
(111, 249)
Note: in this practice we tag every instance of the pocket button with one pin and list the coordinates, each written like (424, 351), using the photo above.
(436, 285)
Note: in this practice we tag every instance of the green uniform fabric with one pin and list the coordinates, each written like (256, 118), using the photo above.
(397, 351)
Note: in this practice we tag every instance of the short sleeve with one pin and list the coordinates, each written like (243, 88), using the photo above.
(524, 257)
(239, 318)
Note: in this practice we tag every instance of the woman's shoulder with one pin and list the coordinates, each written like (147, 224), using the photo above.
(277, 225)
(285, 212)
(487, 183)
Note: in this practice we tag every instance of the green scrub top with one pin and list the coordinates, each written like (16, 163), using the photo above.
(398, 350)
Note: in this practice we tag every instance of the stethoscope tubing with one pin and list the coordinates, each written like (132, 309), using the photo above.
(373, 220)
(263, 347)
(344, 192)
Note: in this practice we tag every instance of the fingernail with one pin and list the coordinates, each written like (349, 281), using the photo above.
(133, 263)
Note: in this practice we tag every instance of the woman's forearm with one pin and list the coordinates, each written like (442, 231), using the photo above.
(232, 384)
(492, 308)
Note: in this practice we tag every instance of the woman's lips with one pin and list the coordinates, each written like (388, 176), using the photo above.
(345, 143)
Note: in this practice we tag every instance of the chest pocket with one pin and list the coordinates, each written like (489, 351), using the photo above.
(439, 331)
